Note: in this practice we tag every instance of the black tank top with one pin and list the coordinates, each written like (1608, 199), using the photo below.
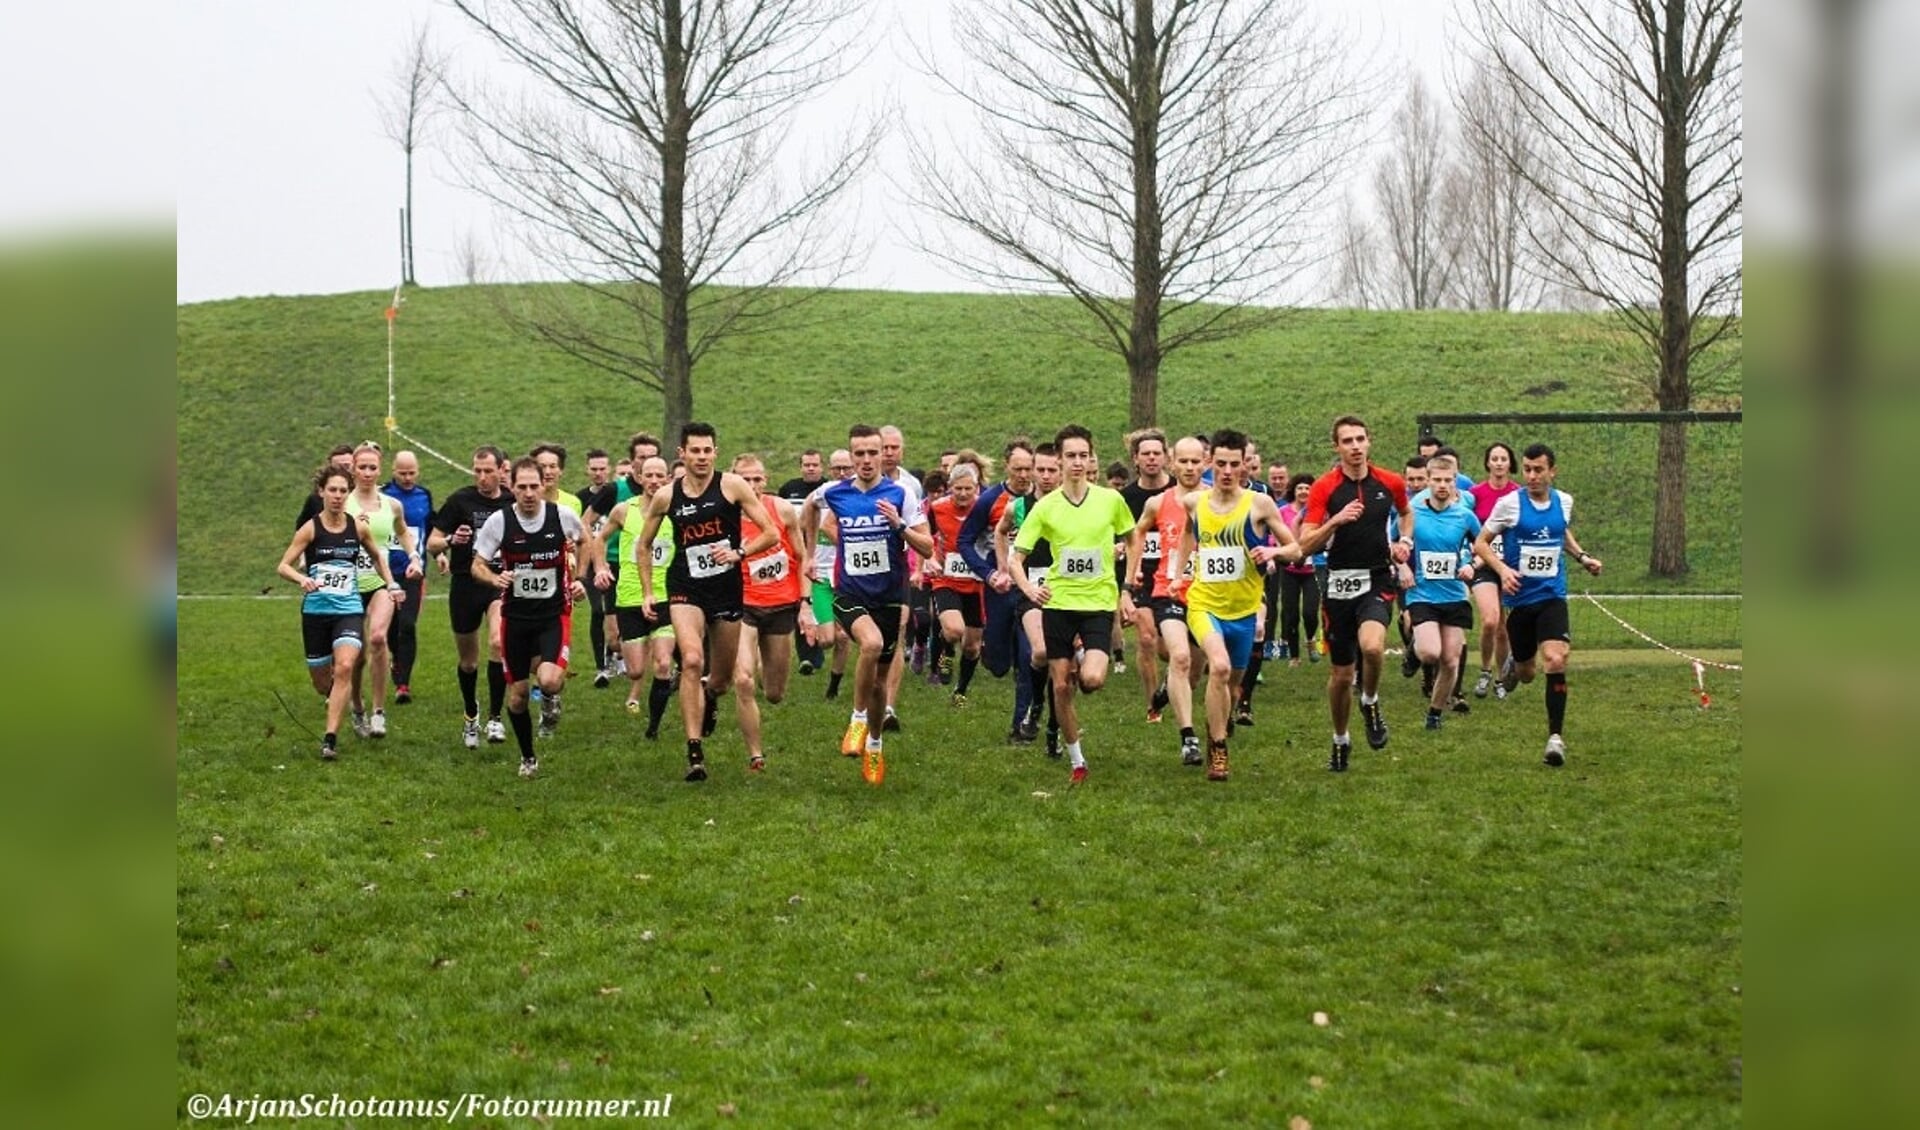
(539, 564)
(701, 524)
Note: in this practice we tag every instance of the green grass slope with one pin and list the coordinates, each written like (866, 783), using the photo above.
(267, 385)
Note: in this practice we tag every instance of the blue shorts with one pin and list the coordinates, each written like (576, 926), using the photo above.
(1237, 633)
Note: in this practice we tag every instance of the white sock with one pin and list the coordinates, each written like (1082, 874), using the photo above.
(1369, 699)
(1343, 739)
(859, 716)
(1074, 756)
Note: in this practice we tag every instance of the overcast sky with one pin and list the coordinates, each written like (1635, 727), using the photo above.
(286, 184)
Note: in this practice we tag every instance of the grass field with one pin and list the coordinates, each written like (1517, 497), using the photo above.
(1495, 943)
(266, 386)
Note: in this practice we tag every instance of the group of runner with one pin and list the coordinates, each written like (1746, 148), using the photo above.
(712, 574)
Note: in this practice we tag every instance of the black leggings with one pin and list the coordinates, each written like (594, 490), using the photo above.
(1299, 603)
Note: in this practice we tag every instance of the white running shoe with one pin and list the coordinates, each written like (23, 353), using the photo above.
(496, 731)
(529, 766)
(470, 733)
(377, 724)
(1556, 751)
(360, 727)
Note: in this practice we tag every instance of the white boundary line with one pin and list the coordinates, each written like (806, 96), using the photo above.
(1694, 659)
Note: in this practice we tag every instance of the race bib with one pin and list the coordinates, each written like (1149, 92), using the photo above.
(334, 579)
(1220, 563)
(662, 548)
(1150, 545)
(1539, 560)
(535, 584)
(868, 559)
(1438, 566)
(1038, 576)
(771, 570)
(362, 562)
(957, 566)
(1079, 564)
(704, 560)
(1348, 584)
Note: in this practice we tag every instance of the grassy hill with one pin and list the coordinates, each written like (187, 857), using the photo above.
(267, 385)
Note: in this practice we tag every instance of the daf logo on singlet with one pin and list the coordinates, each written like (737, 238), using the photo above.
(689, 508)
(864, 521)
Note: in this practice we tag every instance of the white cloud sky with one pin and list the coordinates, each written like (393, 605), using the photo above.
(286, 184)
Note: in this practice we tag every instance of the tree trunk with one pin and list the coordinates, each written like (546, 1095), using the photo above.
(676, 362)
(1143, 335)
(1675, 393)
(406, 221)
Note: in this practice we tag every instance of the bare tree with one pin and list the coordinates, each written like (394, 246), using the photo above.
(649, 164)
(1408, 184)
(471, 258)
(407, 109)
(1492, 197)
(1163, 162)
(1637, 103)
(1357, 260)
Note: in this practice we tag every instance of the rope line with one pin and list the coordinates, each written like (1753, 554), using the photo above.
(1696, 660)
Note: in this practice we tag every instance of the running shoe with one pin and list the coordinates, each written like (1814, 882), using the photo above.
(854, 740)
(470, 733)
(549, 715)
(1053, 741)
(917, 659)
(1316, 649)
(619, 666)
(1243, 715)
(1337, 760)
(361, 729)
(891, 723)
(1153, 716)
(496, 731)
(696, 767)
(1160, 699)
(1078, 776)
(806, 667)
(1190, 751)
(957, 700)
(1483, 683)
(1409, 664)
(757, 763)
(873, 769)
(1556, 751)
(377, 724)
(1433, 718)
(1376, 724)
(1509, 679)
(633, 706)
(1119, 666)
(1217, 761)
(529, 766)
(602, 678)
(402, 694)
(1458, 704)
(328, 753)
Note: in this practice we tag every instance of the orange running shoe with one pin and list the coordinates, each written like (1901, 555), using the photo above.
(854, 740)
(874, 768)
(1217, 761)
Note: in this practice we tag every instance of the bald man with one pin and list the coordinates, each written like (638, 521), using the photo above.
(416, 503)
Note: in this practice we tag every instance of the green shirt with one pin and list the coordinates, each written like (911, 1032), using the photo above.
(1082, 537)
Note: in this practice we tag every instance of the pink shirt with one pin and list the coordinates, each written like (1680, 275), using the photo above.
(1486, 494)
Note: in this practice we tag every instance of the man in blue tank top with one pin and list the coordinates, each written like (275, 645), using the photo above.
(1532, 569)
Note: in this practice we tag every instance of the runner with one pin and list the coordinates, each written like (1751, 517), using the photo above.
(340, 456)
(646, 640)
(1031, 639)
(957, 587)
(390, 533)
(1533, 583)
(877, 519)
(470, 604)
(1165, 517)
(1499, 462)
(893, 447)
(416, 505)
(1001, 637)
(1299, 588)
(1149, 448)
(1224, 536)
(1437, 602)
(1347, 513)
(826, 633)
(704, 589)
(795, 490)
(772, 608)
(594, 512)
(1081, 520)
(535, 541)
(1415, 479)
(334, 545)
(601, 625)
